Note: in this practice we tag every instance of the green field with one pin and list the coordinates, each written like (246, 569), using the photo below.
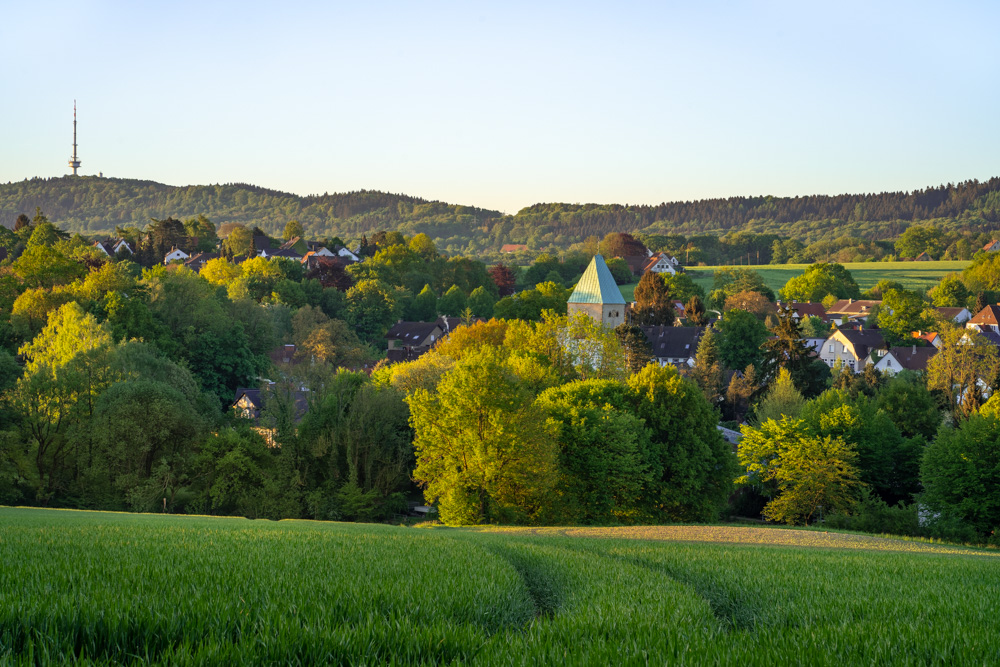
(913, 275)
(88, 587)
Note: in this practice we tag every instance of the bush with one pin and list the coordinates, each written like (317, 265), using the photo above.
(874, 515)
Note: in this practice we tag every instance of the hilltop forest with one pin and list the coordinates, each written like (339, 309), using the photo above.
(864, 224)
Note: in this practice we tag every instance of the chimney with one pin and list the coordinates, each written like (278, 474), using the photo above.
(850, 301)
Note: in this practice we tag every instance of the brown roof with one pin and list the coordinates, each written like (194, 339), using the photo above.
(949, 312)
(922, 257)
(513, 247)
(852, 307)
(805, 308)
(637, 263)
(988, 315)
(913, 358)
(989, 245)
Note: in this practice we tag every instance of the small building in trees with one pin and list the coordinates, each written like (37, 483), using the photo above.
(992, 246)
(197, 262)
(597, 295)
(851, 310)
(674, 345)
(851, 348)
(897, 359)
(958, 315)
(176, 254)
(987, 319)
(802, 309)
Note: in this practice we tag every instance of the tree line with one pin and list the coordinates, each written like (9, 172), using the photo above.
(94, 205)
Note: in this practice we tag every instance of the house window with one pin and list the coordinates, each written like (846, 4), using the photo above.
(831, 347)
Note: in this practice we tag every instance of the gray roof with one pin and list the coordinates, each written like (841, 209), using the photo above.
(673, 342)
(597, 285)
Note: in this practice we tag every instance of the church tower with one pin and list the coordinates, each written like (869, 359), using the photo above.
(598, 295)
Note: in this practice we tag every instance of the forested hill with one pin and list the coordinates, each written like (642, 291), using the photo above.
(891, 211)
(93, 205)
(90, 205)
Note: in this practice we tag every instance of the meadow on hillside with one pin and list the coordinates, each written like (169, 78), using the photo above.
(913, 275)
(97, 587)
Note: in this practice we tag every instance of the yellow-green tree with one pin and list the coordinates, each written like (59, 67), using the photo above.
(66, 369)
(484, 451)
(804, 474)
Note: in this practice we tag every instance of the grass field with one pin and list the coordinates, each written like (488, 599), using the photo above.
(97, 588)
(913, 275)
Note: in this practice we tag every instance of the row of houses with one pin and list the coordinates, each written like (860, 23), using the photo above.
(296, 249)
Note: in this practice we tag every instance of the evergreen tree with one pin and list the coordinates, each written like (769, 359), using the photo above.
(635, 346)
(653, 305)
(980, 303)
(787, 350)
(707, 371)
(694, 311)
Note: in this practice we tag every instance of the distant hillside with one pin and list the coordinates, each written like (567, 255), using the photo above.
(93, 205)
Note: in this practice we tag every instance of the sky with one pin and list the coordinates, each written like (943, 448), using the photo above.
(504, 105)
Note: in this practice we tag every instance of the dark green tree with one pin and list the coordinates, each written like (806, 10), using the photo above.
(653, 304)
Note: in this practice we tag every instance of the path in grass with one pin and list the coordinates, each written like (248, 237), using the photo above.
(753, 535)
(98, 588)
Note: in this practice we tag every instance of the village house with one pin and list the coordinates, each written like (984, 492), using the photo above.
(674, 345)
(176, 254)
(850, 310)
(197, 261)
(923, 257)
(956, 315)
(111, 247)
(296, 244)
(801, 309)
(274, 254)
(987, 319)
(851, 347)
(931, 337)
(249, 403)
(992, 246)
(409, 340)
(898, 359)
(513, 247)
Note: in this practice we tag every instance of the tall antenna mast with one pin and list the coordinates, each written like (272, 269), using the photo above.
(73, 162)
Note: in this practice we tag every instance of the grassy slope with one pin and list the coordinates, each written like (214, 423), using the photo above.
(111, 587)
(913, 275)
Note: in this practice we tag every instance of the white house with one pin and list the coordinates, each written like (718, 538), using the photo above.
(851, 347)
(174, 255)
(346, 254)
(911, 358)
(660, 262)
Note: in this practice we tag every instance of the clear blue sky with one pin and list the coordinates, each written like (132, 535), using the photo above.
(507, 104)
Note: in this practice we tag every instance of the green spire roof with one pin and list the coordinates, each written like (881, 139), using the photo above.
(597, 285)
